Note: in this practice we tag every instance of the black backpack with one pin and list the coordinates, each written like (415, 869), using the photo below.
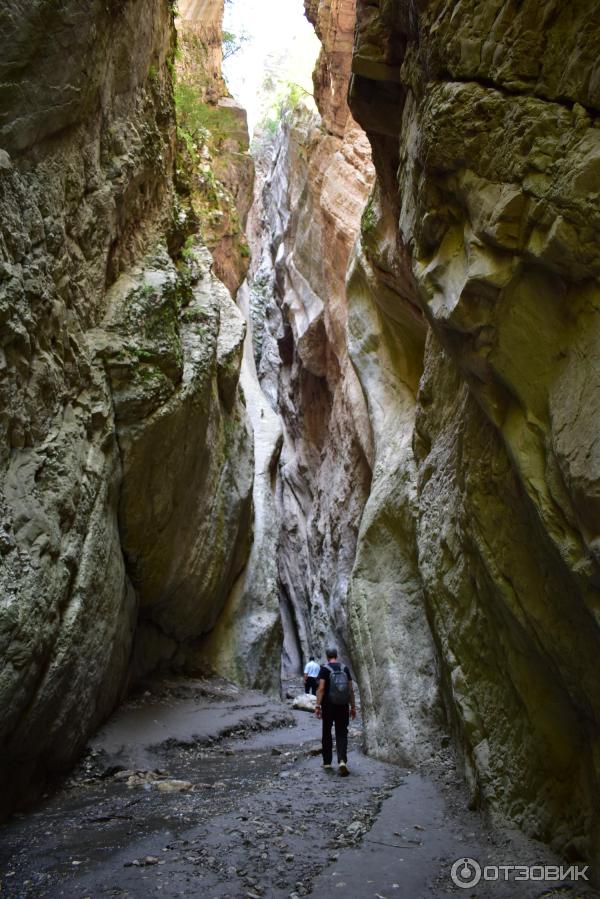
(339, 686)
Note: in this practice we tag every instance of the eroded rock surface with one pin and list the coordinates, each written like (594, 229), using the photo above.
(172, 345)
(348, 557)
(245, 644)
(84, 182)
(483, 122)
(126, 456)
(314, 191)
(216, 172)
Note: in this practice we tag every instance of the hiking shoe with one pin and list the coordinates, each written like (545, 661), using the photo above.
(327, 767)
(344, 769)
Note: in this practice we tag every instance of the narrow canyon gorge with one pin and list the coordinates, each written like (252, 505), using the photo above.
(328, 380)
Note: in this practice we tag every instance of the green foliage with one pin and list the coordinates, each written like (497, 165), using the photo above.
(369, 219)
(140, 353)
(188, 248)
(287, 97)
(199, 120)
(233, 42)
(270, 125)
(187, 139)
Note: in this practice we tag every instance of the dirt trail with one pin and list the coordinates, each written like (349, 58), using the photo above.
(197, 789)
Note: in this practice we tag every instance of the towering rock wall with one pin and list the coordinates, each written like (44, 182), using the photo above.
(86, 148)
(215, 172)
(348, 479)
(388, 628)
(313, 196)
(125, 454)
(245, 645)
(200, 27)
(482, 240)
(216, 178)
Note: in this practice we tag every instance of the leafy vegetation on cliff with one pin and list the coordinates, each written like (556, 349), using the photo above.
(215, 172)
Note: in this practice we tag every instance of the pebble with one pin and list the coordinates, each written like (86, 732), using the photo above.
(173, 786)
(145, 862)
(123, 775)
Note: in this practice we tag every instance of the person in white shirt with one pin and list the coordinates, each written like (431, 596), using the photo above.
(311, 676)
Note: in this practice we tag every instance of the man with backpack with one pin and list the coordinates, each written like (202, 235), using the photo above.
(335, 704)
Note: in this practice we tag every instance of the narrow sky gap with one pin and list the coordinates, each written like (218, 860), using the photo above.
(280, 43)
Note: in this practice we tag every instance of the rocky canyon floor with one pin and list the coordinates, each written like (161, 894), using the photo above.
(195, 788)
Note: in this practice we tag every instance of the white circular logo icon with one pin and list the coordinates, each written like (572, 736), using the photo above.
(465, 873)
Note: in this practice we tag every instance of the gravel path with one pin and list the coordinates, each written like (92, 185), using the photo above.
(197, 789)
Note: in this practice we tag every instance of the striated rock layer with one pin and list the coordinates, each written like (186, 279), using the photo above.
(348, 481)
(126, 455)
(480, 255)
(200, 27)
(314, 192)
(245, 645)
(324, 473)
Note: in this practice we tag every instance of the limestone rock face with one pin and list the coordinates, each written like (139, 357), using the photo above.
(388, 629)
(482, 122)
(87, 144)
(216, 172)
(200, 26)
(171, 343)
(245, 645)
(378, 598)
(125, 451)
(314, 195)
(334, 22)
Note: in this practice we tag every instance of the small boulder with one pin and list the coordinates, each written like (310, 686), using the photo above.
(173, 786)
(305, 702)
